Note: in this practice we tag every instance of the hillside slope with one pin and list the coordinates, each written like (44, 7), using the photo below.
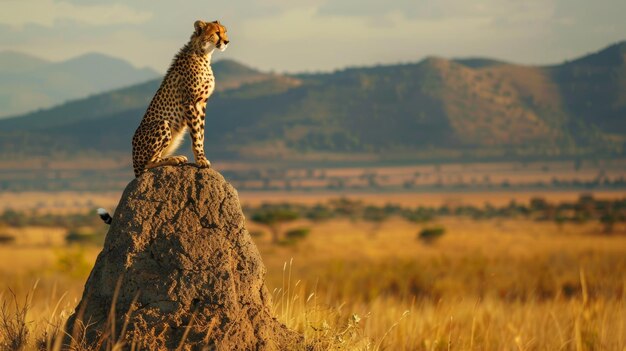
(28, 83)
(437, 108)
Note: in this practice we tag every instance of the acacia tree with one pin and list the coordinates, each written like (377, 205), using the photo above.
(273, 218)
(608, 220)
(376, 216)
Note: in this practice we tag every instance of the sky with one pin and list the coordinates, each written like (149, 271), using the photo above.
(316, 35)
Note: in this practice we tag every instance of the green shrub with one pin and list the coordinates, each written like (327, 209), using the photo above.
(431, 234)
(294, 235)
(319, 213)
(6, 239)
(84, 238)
(298, 233)
(375, 214)
(257, 233)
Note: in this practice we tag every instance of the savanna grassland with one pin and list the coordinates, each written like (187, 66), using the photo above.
(485, 282)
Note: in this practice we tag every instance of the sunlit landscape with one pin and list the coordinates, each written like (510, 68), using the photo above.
(489, 278)
(318, 175)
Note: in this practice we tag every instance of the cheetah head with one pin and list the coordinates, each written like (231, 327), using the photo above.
(210, 35)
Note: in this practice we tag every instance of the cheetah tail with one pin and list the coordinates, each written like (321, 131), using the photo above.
(106, 217)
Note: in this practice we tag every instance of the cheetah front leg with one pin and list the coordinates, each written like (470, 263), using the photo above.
(196, 129)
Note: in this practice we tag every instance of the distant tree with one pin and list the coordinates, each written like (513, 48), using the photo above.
(419, 215)
(13, 218)
(560, 220)
(538, 204)
(608, 220)
(444, 210)
(586, 198)
(346, 207)
(318, 213)
(273, 218)
(376, 216)
(586, 206)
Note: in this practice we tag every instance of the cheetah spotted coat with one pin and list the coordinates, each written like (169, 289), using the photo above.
(180, 103)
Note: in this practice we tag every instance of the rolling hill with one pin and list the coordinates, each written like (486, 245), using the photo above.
(28, 83)
(438, 108)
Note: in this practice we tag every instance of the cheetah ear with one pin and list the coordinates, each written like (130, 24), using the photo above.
(217, 22)
(199, 26)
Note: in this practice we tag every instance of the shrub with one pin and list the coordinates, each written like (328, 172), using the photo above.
(294, 235)
(83, 237)
(6, 239)
(419, 215)
(432, 234)
(319, 213)
(375, 214)
(257, 233)
(298, 233)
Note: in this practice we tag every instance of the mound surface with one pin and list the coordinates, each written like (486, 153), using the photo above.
(179, 267)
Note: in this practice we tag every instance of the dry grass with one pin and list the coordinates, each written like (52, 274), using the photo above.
(485, 285)
(13, 323)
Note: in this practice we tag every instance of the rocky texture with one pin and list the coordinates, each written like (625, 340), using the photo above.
(185, 268)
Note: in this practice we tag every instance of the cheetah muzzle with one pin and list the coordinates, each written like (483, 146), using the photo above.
(180, 103)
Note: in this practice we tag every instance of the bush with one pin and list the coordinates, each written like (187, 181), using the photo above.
(319, 213)
(6, 239)
(257, 233)
(419, 215)
(375, 214)
(295, 235)
(83, 238)
(298, 233)
(430, 235)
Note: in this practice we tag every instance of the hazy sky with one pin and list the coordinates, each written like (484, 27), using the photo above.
(312, 35)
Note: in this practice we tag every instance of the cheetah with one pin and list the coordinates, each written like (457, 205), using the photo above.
(180, 103)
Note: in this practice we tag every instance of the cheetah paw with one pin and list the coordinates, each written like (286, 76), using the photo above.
(179, 159)
(203, 163)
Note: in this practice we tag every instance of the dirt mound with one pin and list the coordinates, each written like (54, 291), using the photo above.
(182, 270)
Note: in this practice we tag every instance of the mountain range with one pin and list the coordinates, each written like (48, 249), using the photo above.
(29, 83)
(443, 109)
